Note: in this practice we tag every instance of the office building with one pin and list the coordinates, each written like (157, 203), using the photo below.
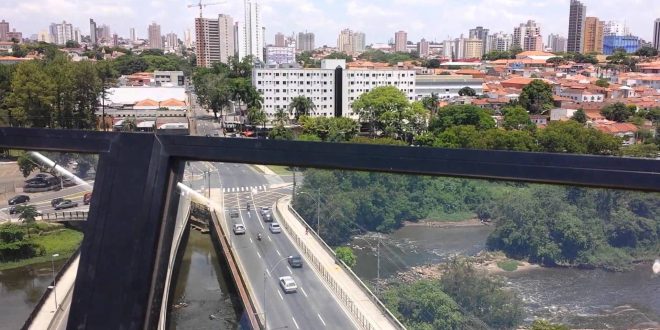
(473, 48)
(615, 28)
(253, 31)
(276, 56)
(172, 41)
(528, 36)
(448, 49)
(115, 40)
(92, 32)
(306, 42)
(4, 29)
(132, 34)
(576, 22)
(656, 34)
(359, 42)
(629, 43)
(423, 48)
(187, 38)
(155, 38)
(61, 33)
(500, 42)
(215, 40)
(280, 40)
(593, 35)
(556, 43)
(400, 41)
(279, 86)
(345, 41)
(103, 33)
(482, 34)
(459, 48)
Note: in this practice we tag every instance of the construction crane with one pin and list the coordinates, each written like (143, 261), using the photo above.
(203, 5)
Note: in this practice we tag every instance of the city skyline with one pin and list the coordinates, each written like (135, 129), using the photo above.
(326, 18)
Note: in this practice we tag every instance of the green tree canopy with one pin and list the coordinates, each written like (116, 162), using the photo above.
(345, 254)
(467, 91)
(301, 106)
(580, 116)
(330, 129)
(602, 83)
(647, 52)
(618, 112)
(537, 97)
(573, 137)
(517, 118)
(380, 106)
(458, 115)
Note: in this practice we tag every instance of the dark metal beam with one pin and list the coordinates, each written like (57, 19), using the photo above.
(36, 139)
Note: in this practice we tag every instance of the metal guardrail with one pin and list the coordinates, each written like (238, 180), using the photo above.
(66, 216)
(341, 294)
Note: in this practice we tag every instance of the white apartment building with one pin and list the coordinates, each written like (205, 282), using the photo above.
(445, 86)
(279, 86)
(280, 55)
(253, 32)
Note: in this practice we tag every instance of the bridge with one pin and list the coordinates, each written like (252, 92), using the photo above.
(131, 231)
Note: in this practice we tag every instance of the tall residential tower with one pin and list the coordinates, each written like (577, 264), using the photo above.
(576, 21)
(253, 31)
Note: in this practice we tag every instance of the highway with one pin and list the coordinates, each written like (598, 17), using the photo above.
(42, 201)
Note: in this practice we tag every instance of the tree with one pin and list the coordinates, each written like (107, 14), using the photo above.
(647, 52)
(281, 117)
(345, 254)
(537, 97)
(517, 118)
(72, 44)
(433, 63)
(573, 137)
(257, 117)
(497, 55)
(618, 112)
(129, 125)
(458, 115)
(545, 325)
(467, 91)
(431, 103)
(301, 106)
(379, 105)
(556, 61)
(340, 56)
(32, 96)
(212, 90)
(330, 129)
(27, 214)
(107, 75)
(602, 83)
(580, 116)
(280, 132)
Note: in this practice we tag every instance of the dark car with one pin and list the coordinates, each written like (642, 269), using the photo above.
(13, 210)
(68, 182)
(35, 180)
(56, 201)
(266, 214)
(20, 199)
(66, 204)
(42, 175)
(233, 213)
(295, 261)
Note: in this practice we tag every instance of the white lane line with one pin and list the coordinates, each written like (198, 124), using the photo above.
(290, 271)
(251, 240)
(267, 272)
(320, 318)
(269, 239)
(303, 291)
(294, 322)
(264, 228)
(259, 255)
(278, 252)
(280, 295)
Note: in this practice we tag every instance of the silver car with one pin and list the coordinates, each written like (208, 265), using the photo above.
(239, 229)
(275, 228)
(288, 285)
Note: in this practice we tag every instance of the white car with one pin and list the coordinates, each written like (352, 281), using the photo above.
(239, 229)
(288, 285)
(275, 228)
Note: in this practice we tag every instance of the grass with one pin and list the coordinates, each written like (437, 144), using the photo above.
(508, 265)
(441, 216)
(55, 239)
(280, 170)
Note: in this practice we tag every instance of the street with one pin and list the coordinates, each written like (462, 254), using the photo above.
(42, 201)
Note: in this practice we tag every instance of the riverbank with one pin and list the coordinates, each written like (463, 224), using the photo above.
(55, 239)
(445, 224)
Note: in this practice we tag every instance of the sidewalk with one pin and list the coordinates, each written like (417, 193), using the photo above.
(348, 291)
(47, 314)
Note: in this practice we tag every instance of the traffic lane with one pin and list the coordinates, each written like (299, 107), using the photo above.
(46, 207)
(239, 175)
(48, 196)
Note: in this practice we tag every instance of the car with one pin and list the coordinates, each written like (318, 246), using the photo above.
(239, 229)
(56, 201)
(68, 182)
(233, 213)
(87, 198)
(13, 210)
(264, 210)
(288, 285)
(20, 199)
(35, 180)
(66, 204)
(295, 261)
(266, 214)
(275, 228)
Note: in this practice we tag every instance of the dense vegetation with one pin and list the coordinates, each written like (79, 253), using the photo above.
(17, 249)
(462, 299)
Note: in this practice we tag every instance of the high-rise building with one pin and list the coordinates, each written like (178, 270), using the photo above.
(482, 34)
(187, 38)
(448, 49)
(306, 42)
(628, 43)
(103, 33)
(576, 20)
(500, 42)
(253, 42)
(359, 42)
(401, 42)
(14, 35)
(615, 28)
(61, 33)
(556, 43)
(215, 40)
(528, 36)
(132, 34)
(155, 38)
(345, 41)
(92, 32)
(115, 40)
(473, 48)
(423, 48)
(593, 35)
(4, 29)
(656, 34)
(77, 37)
(279, 40)
(172, 41)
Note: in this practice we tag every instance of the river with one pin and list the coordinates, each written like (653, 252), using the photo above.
(577, 298)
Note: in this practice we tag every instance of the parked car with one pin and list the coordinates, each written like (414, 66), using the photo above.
(239, 229)
(295, 261)
(42, 175)
(233, 213)
(20, 199)
(56, 201)
(275, 228)
(87, 198)
(68, 182)
(288, 285)
(66, 204)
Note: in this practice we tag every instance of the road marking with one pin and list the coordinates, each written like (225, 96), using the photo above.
(251, 241)
(259, 255)
(320, 318)
(290, 271)
(303, 291)
(278, 252)
(294, 322)
(264, 228)
(278, 292)
(267, 272)
(269, 238)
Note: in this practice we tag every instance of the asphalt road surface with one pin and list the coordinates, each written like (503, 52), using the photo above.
(42, 201)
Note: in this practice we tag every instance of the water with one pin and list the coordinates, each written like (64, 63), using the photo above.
(201, 285)
(578, 298)
(21, 289)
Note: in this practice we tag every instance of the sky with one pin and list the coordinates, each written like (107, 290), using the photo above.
(379, 19)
